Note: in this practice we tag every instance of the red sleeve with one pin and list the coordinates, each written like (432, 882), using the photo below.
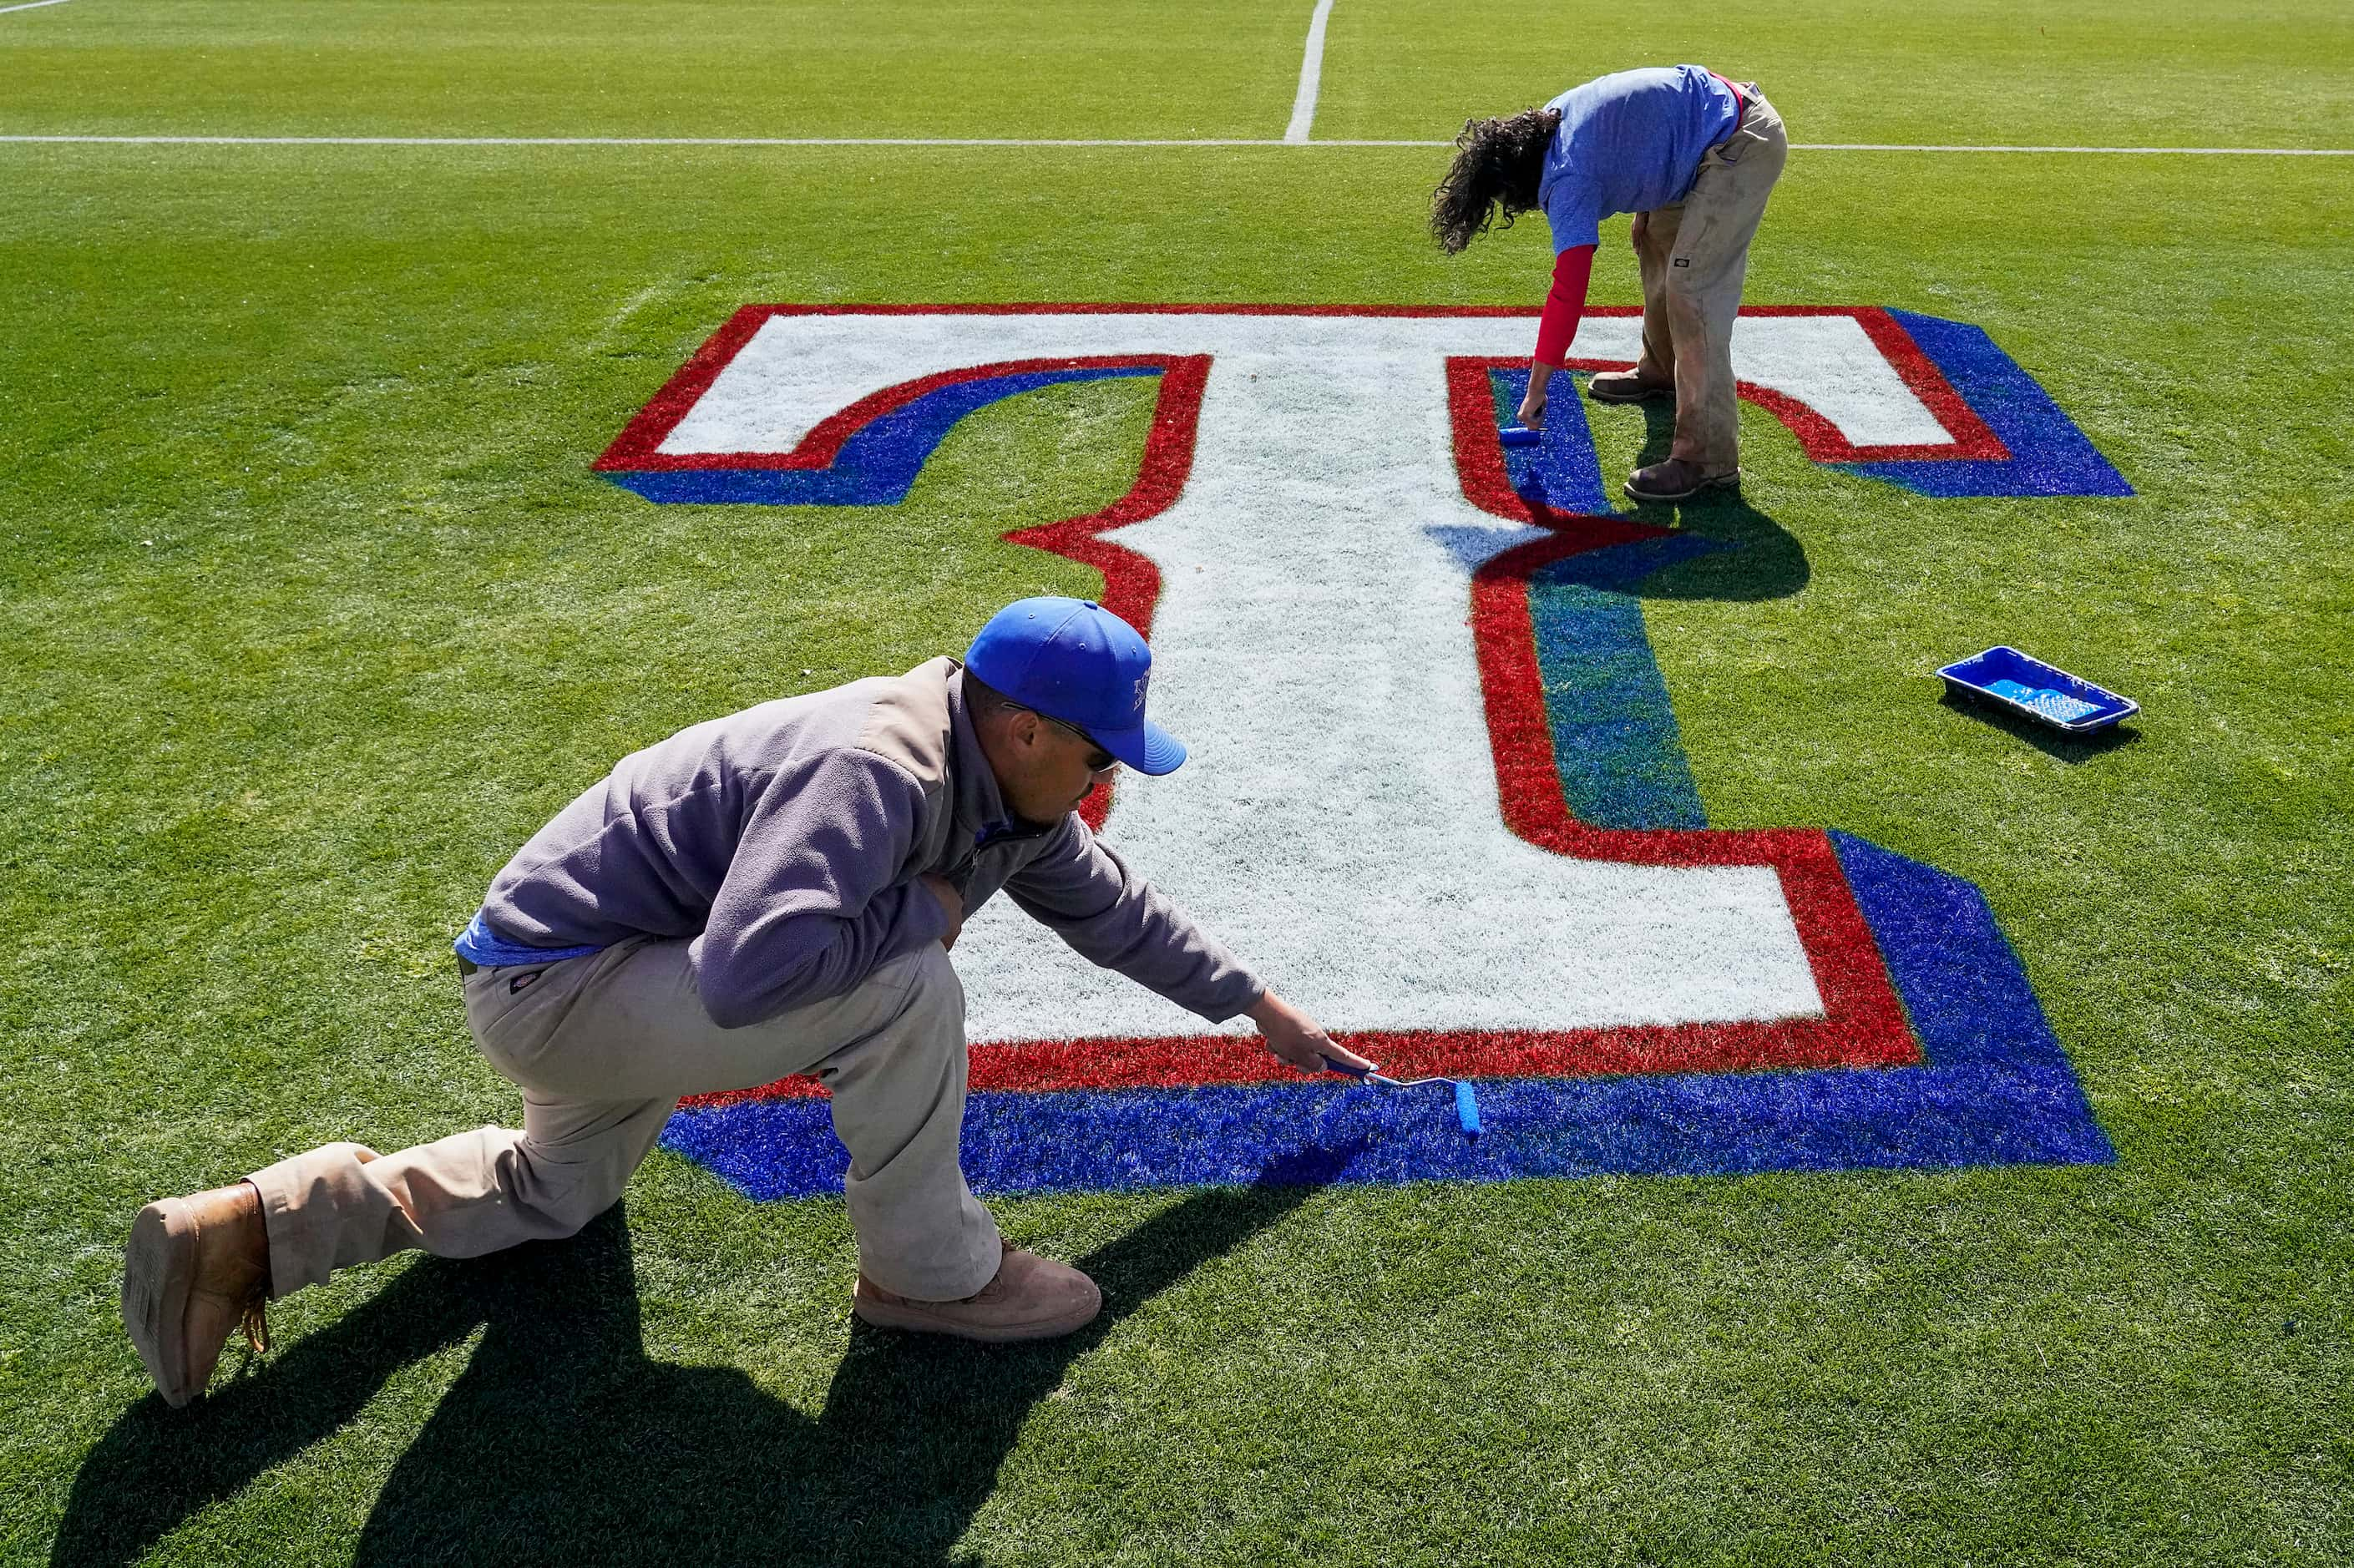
(1571, 272)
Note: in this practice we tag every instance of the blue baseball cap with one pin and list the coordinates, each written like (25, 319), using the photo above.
(1072, 659)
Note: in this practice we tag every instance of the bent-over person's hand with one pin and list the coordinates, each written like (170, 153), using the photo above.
(951, 905)
(1532, 408)
(1299, 1039)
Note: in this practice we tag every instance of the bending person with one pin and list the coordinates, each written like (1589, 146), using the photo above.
(1693, 157)
(764, 895)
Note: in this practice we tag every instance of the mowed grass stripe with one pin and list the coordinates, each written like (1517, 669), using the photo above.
(2108, 73)
(689, 68)
(2257, 74)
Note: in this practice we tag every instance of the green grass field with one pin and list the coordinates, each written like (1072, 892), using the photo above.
(314, 611)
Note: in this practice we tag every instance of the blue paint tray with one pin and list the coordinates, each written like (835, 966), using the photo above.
(2044, 693)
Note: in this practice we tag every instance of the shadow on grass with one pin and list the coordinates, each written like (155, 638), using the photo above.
(1759, 559)
(2069, 749)
(562, 1439)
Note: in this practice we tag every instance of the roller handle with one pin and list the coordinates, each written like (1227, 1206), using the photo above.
(1354, 1072)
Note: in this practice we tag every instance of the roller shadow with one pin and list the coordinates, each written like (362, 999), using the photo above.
(562, 1439)
(2069, 749)
(1759, 559)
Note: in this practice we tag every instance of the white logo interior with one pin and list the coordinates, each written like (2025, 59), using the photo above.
(1338, 825)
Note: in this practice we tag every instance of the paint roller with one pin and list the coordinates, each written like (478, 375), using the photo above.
(1466, 1100)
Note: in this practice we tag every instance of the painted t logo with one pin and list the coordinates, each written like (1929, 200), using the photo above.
(1335, 573)
(1341, 825)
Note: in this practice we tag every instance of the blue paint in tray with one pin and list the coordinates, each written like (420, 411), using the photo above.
(2046, 692)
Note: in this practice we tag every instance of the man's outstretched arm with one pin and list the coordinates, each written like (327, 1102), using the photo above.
(1298, 1038)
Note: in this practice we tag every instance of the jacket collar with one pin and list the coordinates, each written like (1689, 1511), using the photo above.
(981, 814)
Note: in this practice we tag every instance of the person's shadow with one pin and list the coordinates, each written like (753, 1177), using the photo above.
(1760, 559)
(561, 1438)
(1744, 555)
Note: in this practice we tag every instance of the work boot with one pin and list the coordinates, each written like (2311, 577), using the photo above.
(197, 1269)
(1032, 1298)
(1678, 479)
(1627, 386)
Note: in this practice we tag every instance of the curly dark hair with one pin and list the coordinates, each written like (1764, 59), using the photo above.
(1498, 164)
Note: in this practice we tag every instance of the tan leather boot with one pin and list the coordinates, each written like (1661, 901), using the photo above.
(1032, 1298)
(1678, 479)
(1627, 386)
(197, 1269)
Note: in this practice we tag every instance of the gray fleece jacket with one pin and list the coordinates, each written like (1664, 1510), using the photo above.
(786, 841)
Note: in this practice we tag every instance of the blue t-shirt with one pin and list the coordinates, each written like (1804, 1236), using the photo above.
(1629, 143)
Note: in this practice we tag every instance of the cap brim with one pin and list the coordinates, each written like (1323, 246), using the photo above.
(1148, 749)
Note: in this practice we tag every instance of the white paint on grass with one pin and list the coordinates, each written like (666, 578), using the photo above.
(1827, 362)
(776, 390)
(1311, 76)
(29, 5)
(1338, 825)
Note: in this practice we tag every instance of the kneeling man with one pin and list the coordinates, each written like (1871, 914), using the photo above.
(764, 895)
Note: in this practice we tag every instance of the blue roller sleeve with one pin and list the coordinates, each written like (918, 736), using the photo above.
(1519, 435)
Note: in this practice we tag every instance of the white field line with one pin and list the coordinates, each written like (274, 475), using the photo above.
(29, 5)
(2180, 152)
(687, 141)
(1048, 142)
(1311, 76)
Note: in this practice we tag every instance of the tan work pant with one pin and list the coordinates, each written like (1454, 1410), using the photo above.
(1694, 254)
(602, 1047)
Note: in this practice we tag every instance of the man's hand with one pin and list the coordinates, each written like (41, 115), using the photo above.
(1299, 1039)
(951, 905)
(1640, 231)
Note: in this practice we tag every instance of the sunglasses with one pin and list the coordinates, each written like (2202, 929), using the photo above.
(1099, 760)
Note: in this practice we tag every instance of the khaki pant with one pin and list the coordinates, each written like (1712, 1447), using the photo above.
(602, 1047)
(1694, 254)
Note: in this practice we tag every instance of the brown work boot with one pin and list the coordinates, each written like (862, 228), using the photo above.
(1627, 386)
(197, 1269)
(1032, 1298)
(1677, 478)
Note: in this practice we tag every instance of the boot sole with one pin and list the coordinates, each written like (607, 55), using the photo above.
(159, 1270)
(1721, 481)
(1650, 395)
(880, 1315)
